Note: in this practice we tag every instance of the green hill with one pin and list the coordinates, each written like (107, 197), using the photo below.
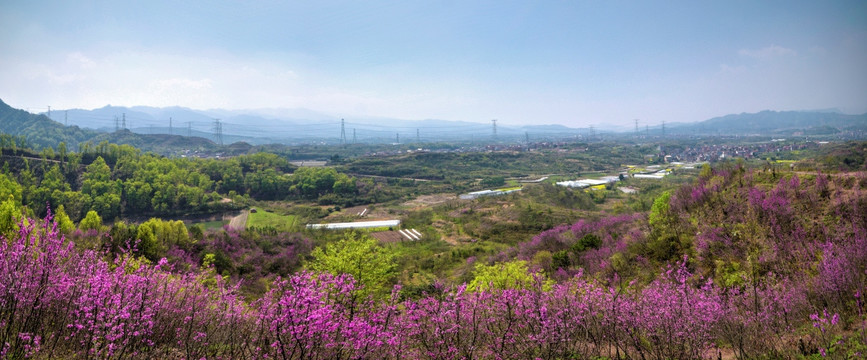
(39, 130)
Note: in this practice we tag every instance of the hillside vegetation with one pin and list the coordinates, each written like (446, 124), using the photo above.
(113, 252)
(753, 264)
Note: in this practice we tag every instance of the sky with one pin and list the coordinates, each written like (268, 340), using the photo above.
(576, 63)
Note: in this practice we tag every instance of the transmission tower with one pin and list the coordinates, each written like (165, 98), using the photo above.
(342, 132)
(592, 132)
(526, 137)
(116, 124)
(354, 139)
(170, 127)
(49, 111)
(189, 128)
(218, 132)
(417, 136)
(494, 128)
(636, 127)
(663, 128)
(123, 121)
(397, 138)
(66, 118)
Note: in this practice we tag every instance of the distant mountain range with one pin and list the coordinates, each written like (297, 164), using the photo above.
(260, 126)
(297, 126)
(778, 122)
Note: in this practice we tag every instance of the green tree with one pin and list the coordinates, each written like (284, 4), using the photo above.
(105, 193)
(371, 265)
(148, 244)
(64, 223)
(10, 214)
(8, 186)
(659, 212)
(91, 221)
(508, 275)
(666, 241)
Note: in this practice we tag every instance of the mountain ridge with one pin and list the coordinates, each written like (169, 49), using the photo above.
(254, 128)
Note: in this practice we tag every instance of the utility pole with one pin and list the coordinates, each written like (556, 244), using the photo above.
(218, 132)
(494, 128)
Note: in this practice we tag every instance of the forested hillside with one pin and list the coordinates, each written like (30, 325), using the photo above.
(746, 263)
(119, 180)
(38, 130)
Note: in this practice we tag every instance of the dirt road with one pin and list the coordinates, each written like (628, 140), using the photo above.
(239, 222)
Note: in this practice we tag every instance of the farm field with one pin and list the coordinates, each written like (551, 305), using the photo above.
(265, 219)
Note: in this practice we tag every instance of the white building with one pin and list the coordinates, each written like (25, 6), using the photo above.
(356, 225)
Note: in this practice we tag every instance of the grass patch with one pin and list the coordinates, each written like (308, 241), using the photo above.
(216, 224)
(264, 219)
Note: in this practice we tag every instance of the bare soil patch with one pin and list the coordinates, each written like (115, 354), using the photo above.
(429, 200)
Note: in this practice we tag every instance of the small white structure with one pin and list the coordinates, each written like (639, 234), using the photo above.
(583, 183)
(478, 194)
(356, 225)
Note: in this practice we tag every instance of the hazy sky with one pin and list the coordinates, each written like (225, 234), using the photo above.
(524, 62)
